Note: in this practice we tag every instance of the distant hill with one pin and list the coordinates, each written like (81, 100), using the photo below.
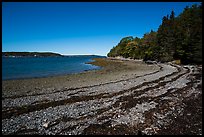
(30, 54)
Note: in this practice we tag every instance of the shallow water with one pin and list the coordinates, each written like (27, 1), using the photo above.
(31, 67)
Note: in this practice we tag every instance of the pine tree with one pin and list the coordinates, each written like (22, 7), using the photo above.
(177, 38)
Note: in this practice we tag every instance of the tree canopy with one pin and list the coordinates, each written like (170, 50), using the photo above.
(176, 38)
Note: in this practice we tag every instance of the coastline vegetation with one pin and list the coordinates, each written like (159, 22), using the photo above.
(177, 38)
(30, 54)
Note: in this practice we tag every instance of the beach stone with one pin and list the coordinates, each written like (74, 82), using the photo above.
(122, 103)
(45, 125)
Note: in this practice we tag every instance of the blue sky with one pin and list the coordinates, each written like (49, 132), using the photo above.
(76, 28)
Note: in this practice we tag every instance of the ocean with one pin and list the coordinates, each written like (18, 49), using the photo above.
(35, 67)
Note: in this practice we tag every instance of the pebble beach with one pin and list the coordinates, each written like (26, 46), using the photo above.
(125, 97)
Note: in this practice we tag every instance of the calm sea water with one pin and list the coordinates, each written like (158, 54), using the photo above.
(32, 67)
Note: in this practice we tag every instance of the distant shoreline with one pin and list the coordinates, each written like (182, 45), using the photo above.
(30, 54)
(39, 54)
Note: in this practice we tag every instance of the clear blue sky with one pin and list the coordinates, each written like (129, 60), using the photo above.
(74, 28)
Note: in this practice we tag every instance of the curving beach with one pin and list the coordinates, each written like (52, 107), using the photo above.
(124, 97)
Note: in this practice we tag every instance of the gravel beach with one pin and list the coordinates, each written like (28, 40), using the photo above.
(125, 97)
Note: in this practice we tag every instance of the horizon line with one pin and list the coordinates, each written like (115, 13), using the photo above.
(58, 53)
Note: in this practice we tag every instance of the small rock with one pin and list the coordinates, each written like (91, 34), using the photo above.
(45, 125)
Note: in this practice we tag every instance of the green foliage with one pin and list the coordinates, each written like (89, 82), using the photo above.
(126, 39)
(177, 38)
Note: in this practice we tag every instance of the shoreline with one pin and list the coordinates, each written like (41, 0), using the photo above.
(56, 74)
(112, 70)
(124, 97)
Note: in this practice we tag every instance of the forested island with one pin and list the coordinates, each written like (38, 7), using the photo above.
(177, 38)
(30, 54)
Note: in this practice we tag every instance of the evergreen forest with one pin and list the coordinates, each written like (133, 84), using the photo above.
(177, 38)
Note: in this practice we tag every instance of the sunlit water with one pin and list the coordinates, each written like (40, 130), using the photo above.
(32, 67)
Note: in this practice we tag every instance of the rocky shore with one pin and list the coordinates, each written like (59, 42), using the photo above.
(125, 97)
